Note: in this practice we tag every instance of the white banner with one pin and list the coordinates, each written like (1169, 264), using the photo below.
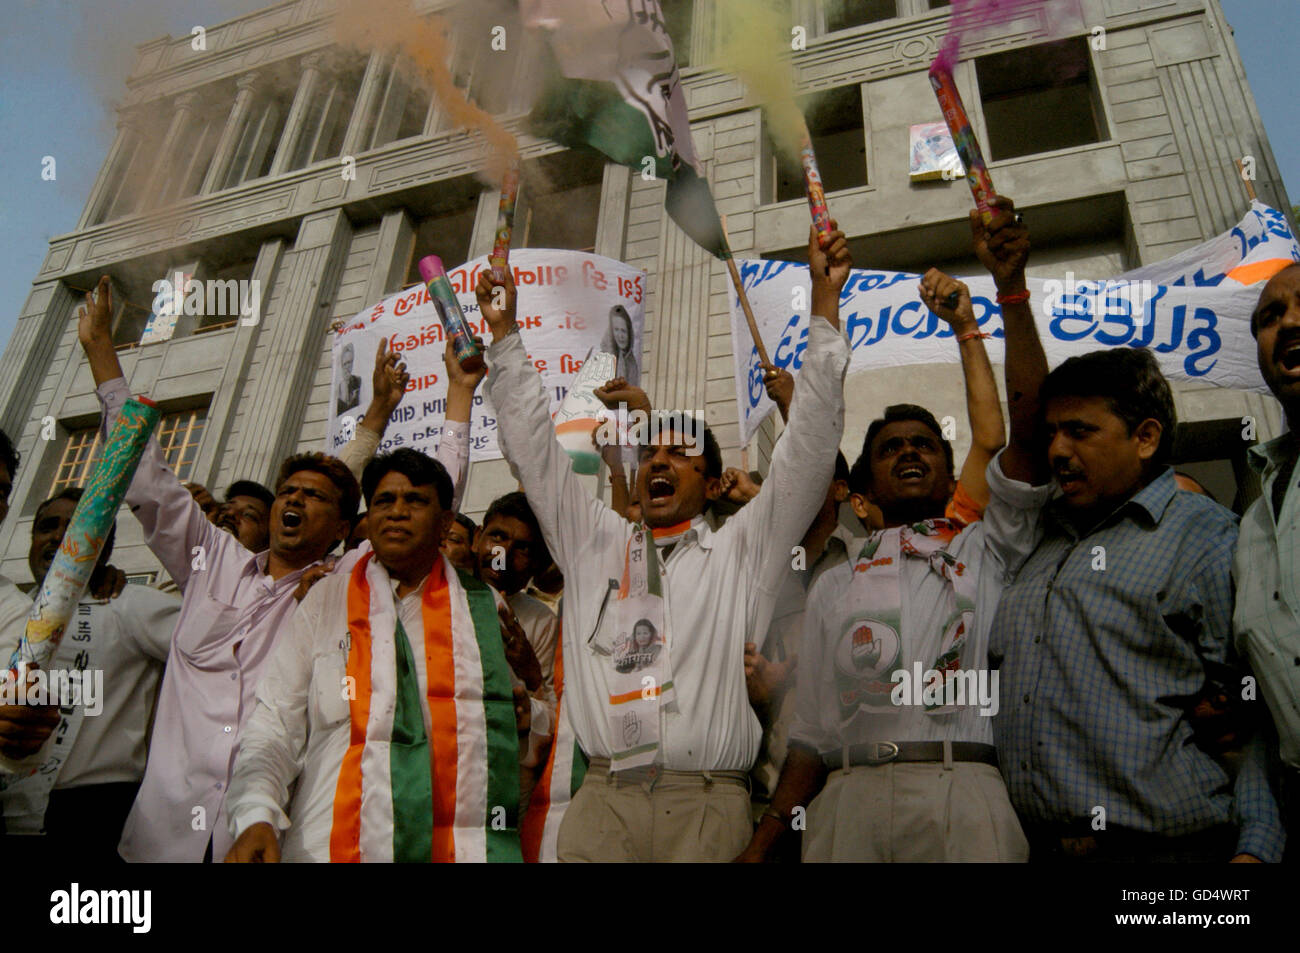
(570, 303)
(1192, 311)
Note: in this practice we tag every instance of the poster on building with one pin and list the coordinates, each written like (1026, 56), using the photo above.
(571, 304)
(1193, 312)
(933, 154)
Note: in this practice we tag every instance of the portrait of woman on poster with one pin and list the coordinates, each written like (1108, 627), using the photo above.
(620, 340)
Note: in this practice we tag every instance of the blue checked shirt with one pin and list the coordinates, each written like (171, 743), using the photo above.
(1100, 667)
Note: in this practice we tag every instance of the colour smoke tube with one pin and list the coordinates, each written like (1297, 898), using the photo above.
(812, 177)
(453, 320)
(500, 257)
(963, 137)
(66, 580)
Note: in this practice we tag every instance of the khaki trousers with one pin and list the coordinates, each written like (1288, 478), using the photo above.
(656, 816)
(914, 813)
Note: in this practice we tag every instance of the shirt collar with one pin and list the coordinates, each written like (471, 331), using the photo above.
(1151, 501)
(1265, 458)
(698, 528)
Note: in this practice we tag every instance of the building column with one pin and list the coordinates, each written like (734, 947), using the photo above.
(128, 129)
(245, 96)
(182, 115)
(369, 102)
(313, 65)
(392, 256)
(276, 399)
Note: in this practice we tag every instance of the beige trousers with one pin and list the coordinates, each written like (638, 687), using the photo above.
(914, 813)
(678, 816)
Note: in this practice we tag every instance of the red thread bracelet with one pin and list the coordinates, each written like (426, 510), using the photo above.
(1016, 297)
(972, 334)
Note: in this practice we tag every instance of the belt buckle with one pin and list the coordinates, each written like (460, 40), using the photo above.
(886, 751)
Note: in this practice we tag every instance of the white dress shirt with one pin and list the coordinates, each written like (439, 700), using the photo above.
(128, 638)
(719, 586)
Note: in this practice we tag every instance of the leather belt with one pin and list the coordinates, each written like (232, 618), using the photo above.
(875, 753)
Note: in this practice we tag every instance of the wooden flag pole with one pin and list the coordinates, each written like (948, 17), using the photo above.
(744, 299)
(1250, 186)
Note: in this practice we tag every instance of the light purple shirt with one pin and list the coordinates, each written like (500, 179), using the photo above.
(229, 618)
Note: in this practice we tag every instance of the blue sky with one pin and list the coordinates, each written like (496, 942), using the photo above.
(63, 64)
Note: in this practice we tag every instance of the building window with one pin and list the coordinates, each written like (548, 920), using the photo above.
(403, 107)
(835, 124)
(561, 199)
(1039, 99)
(842, 14)
(178, 435)
(255, 150)
(445, 229)
(328, 113)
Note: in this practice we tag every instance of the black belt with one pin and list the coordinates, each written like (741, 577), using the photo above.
(892, 752)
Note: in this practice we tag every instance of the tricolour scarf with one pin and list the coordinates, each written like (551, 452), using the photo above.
(449, 793)
(566, 766)
(871, 646)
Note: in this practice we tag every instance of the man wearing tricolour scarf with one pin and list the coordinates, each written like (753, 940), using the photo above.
(388, 702)
(663, 713)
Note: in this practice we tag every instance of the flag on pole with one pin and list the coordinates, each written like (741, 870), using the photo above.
(615, 88)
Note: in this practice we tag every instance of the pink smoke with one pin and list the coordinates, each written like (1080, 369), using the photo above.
(977, 16)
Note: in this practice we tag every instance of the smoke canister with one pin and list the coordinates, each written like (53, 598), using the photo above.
(453, 320)
(963, 137)
(500, 257)
(812, 177)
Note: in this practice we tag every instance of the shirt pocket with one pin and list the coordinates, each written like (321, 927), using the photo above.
(330, 692)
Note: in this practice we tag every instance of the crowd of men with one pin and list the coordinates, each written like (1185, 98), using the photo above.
(1058, 651)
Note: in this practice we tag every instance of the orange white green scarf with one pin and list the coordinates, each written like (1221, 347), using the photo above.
(431, 772)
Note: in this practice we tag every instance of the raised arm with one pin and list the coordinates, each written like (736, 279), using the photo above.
(615, 393)
(174, 525)
(1003, 248)
(389, 384)
(453, 448)
(983, 411)
(803, 460)
(571, 519)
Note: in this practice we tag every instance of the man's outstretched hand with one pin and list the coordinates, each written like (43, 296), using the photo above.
(937, 289)
(618, 391)
(95, 320)
(830, 267)
(497, 303)
(1002, 246)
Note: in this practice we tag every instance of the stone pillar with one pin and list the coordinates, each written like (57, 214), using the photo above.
(309, 87)
(245, 96)
(128, 131)
(169, 150)
(369, 102)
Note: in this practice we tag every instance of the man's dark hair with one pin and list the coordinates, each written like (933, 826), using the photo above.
(684, 424)
(468, 523)
(334, 470)
(516, 505)
(859, 476)
(1129, 380)
(419, 468)
(75, 493)
(250, 488)
(8, 455)
(841, 467)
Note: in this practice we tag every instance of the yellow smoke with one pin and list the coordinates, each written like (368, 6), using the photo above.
(754, 44)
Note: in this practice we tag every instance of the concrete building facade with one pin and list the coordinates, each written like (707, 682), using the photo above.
(1115, 124)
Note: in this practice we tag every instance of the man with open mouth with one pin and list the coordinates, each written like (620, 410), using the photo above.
(670, 744)
(235, 604)
(1265, 615)
(868, 768)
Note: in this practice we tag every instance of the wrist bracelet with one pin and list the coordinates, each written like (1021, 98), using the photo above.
(775, 815)
(972, 334)
(1016, 297)
(513, 329)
